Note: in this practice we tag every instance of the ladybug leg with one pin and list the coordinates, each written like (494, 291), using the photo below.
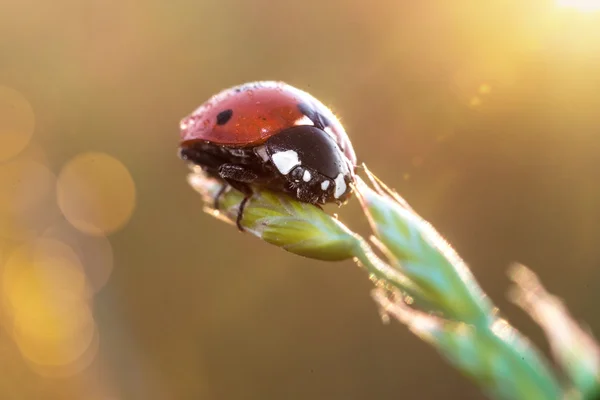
(247, 191)
(236, 172)
(239, 177)
(238, 220)
(218, 196)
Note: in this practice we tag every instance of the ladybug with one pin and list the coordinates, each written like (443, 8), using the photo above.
(274, 136)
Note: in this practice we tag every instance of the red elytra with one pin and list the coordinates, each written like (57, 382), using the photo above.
(253, 113)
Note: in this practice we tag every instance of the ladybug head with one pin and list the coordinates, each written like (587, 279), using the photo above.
(312, 162)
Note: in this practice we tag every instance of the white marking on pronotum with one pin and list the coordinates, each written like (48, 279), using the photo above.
(340, 186)
(285, 161)
(324, 185)
(262, 153)
(304, 121)
(306, 176)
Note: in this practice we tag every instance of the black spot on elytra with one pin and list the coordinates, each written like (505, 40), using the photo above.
(224, 116)
(317, 118)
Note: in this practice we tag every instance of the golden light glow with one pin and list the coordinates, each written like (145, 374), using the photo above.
(580, 5)
(56, 335)
(46, 299)
(43, 268)
(24, 184)
(485, 88)
(17, 122)
(95, 252)
(475, 101)
(73, 368)
(96, 193)
(26, 198)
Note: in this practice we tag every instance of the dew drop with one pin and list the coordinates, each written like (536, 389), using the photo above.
(385, 317)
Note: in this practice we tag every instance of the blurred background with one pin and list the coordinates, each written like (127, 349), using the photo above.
(115, 285)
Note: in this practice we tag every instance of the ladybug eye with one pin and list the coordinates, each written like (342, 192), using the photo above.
(224, 116)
